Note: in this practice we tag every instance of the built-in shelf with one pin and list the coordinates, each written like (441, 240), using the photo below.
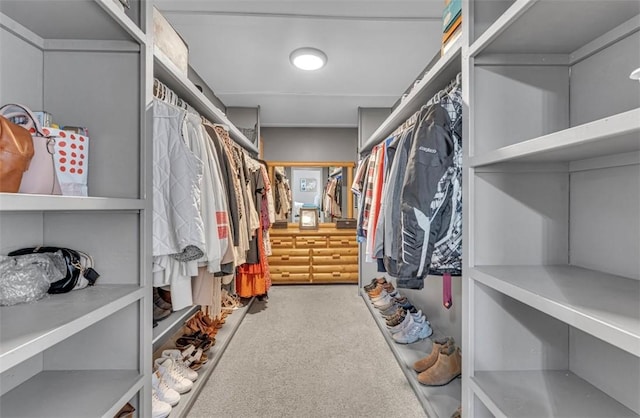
(608, 136)
(437, 401)
(167, 327)
(544, 393)
(223, 338)
(30, 328)
(552, 27)
(36, 202)
(434, 80)
(177, 81)
(71, 393)
(101, 20)
(601, 304)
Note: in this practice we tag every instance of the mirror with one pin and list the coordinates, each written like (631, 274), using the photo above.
(320, 186)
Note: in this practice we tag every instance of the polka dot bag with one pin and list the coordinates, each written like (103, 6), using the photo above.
(71, 158)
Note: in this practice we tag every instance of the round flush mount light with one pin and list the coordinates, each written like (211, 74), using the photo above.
(308, 59)
(635, 75)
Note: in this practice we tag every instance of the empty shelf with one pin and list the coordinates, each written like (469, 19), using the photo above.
(611, 135)
(601, 304)
(555, 27)
(544, 393)
(70, 393)
(30, 328)
(100, 19)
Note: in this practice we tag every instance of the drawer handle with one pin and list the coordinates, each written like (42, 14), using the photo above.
(285, 274)
(335, 274)
(277, 242)
(284, 257)
(311, 242)
(336, 256)
(344, 241)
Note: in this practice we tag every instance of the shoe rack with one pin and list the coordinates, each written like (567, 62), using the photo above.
(439, 401)
(87, 352)
(552, 206)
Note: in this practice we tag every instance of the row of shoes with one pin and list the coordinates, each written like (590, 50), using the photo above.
(441, 365)
(176, 369)
(174, 374)
(406, 324)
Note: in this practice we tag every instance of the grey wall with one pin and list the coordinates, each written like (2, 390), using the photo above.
(206, 90)
(310, 144)
(370, 119)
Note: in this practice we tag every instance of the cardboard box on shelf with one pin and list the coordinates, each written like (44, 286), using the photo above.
(169, 41)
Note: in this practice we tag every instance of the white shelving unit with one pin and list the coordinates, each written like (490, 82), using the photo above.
(551, 283)
(223, 338)
(436, 78)
(169, 74)
(436, 401)
(77, 60)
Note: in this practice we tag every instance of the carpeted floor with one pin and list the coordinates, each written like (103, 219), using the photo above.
(309, 351)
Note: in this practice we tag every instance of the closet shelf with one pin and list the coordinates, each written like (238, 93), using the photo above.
(437, 401)
(30, 328)
(552, 27)
(608, 136)
(223, 337)
(170, 325)
(34, 202)
(601, 304)
(167, 72)
(102, 20)
(72, 393)
(543, 393)
(434, 80)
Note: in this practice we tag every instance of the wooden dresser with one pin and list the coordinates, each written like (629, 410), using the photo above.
(326, 255)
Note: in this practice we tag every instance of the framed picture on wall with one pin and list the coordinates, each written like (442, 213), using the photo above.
(308, 218)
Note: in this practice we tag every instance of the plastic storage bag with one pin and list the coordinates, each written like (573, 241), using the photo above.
(27, 278)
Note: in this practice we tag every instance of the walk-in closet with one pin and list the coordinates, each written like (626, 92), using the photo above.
(420, 208)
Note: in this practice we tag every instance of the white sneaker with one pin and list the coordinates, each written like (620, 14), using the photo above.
(171, 375)
(164, 392)
(159, 409)
(179, 361)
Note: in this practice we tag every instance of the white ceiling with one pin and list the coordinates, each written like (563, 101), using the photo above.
(241, 49)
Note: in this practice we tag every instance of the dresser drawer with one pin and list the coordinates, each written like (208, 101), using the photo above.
(342, 241)
(337, 258)
(343, 268)
(290, 277)
(284, 256)
(281, 242)
(331, 252)
(290, 261)
(335, 277)
(311, 241)
(289, 269)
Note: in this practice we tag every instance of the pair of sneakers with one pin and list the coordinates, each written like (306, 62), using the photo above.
(171, 379)
(412, 329)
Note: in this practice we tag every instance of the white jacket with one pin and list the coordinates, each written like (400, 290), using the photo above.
(177, 173)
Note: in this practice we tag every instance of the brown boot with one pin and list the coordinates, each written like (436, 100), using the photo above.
(447, 367)
(428, 361)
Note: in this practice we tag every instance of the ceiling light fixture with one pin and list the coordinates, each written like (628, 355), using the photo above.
(308, 59)
(635, 75)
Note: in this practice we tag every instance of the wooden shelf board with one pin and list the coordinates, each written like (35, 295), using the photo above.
(608, 136)
(601, 304)
(30, 328)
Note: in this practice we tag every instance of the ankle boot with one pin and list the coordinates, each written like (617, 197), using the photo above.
(447, 367)
(428, 361)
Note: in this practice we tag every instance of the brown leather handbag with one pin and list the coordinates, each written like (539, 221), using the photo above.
(16, 151)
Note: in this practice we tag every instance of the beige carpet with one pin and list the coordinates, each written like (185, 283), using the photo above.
(309, 351)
